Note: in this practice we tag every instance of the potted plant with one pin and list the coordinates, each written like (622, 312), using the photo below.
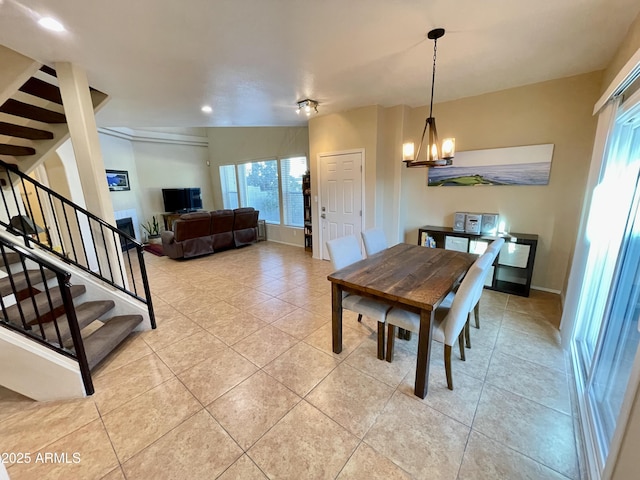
(152, 227)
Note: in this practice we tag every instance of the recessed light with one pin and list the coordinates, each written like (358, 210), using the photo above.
(207, 109)
(51, 24)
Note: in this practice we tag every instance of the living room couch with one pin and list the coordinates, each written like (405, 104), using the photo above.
(202, 233)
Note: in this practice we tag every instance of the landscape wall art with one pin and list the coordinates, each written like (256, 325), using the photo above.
(528, 165)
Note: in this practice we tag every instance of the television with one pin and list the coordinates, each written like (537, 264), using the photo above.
(181, 199)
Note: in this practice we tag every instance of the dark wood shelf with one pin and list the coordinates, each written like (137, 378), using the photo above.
(306, 195)
(513, 267)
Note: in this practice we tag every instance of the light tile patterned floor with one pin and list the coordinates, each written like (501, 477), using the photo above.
(239, 382)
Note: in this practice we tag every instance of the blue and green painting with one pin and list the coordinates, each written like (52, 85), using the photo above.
(530, 165)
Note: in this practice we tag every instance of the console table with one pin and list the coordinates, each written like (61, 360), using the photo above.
(512, 269)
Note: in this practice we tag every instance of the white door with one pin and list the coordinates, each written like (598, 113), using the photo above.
(340, 196)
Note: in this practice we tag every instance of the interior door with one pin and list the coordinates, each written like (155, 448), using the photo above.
(340, 197)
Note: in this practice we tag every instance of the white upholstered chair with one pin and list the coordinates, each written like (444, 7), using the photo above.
(449, 323)
(374, 241)
(343, 252)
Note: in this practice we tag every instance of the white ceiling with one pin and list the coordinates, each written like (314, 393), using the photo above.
(252, 60)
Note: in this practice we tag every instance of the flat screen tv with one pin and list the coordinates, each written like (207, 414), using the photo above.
(181, 199)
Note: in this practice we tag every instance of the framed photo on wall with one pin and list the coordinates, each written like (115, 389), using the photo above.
(118, 180)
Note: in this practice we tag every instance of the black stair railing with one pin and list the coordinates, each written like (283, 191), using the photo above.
(36, 300)
(74, 234)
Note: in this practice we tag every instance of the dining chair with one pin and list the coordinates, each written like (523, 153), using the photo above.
(493, 250)
(343, 252)
(448, 323)
(374, 241)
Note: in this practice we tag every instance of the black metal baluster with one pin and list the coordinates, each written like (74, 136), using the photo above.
(133, 275)
(73, 246)
(147, 290)
(57, 225)
(106, 251)
(74, 329)
(84, 248)
(51, 307)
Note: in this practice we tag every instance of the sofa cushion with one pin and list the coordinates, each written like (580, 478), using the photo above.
(192, 225)
(245, 226)
(222, 229)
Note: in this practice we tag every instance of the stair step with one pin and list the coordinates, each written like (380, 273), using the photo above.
(16, 150)
(20, 280)
(48, 70)
(12, 257)
(101, 342)
(11, 130)
(42, 302)
(86, 313)
(39, 88)
(24, 110)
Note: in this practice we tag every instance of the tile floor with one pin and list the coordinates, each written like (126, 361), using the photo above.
(239, 382)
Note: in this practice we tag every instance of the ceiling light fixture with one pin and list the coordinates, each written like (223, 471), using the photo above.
(51, 24)
(207, 109)
(437, 155)
(307, 106)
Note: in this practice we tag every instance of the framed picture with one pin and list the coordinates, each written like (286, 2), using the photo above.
(118, 180)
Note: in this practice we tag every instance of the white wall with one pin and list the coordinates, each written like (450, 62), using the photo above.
(155, 159)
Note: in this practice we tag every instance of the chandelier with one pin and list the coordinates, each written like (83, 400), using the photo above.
(437, 155)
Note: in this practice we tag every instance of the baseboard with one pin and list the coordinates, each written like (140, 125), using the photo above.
(548, 290)
(284, 243)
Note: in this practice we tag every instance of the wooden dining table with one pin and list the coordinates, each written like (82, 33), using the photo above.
(410, 277)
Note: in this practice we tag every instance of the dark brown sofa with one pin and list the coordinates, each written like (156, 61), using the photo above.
(201, 233)
(245, 226)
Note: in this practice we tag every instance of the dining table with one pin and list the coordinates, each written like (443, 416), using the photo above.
(410, 277)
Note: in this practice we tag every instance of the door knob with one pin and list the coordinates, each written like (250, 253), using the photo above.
(324, 215)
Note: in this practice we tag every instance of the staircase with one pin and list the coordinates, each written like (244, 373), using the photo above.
(32, 121)
(68, 295)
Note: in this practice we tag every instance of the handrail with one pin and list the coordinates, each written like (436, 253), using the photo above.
(73, 254)
(25, 328)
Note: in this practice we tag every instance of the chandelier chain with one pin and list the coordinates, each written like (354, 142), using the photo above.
(433, 76)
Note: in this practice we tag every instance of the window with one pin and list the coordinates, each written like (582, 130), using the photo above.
(258, 183)
(274, 187)
(291, 172)
(229, 186)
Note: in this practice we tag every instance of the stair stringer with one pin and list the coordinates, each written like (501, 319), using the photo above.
(96, 289)
(42, 374)
(37, 372)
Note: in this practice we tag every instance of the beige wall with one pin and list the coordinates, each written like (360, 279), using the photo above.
(354, 129)
(627, 48)
(397, 198)
(557, 112)
(233, 145)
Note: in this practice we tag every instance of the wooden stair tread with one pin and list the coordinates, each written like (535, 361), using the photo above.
(16, 150)
(24, 110)
(101, 342)
(12, 257)
(20, 280)
(19, 131)
(86, 313)
(41, 89)
(42, 302)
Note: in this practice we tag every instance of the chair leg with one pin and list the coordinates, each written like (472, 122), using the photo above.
(461, 345)
(476, 311)
(360, 317)
(380, 341)
(391, 338)
(467, 333)
(447, 366)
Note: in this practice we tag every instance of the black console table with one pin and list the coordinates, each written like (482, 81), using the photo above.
(513, 268)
